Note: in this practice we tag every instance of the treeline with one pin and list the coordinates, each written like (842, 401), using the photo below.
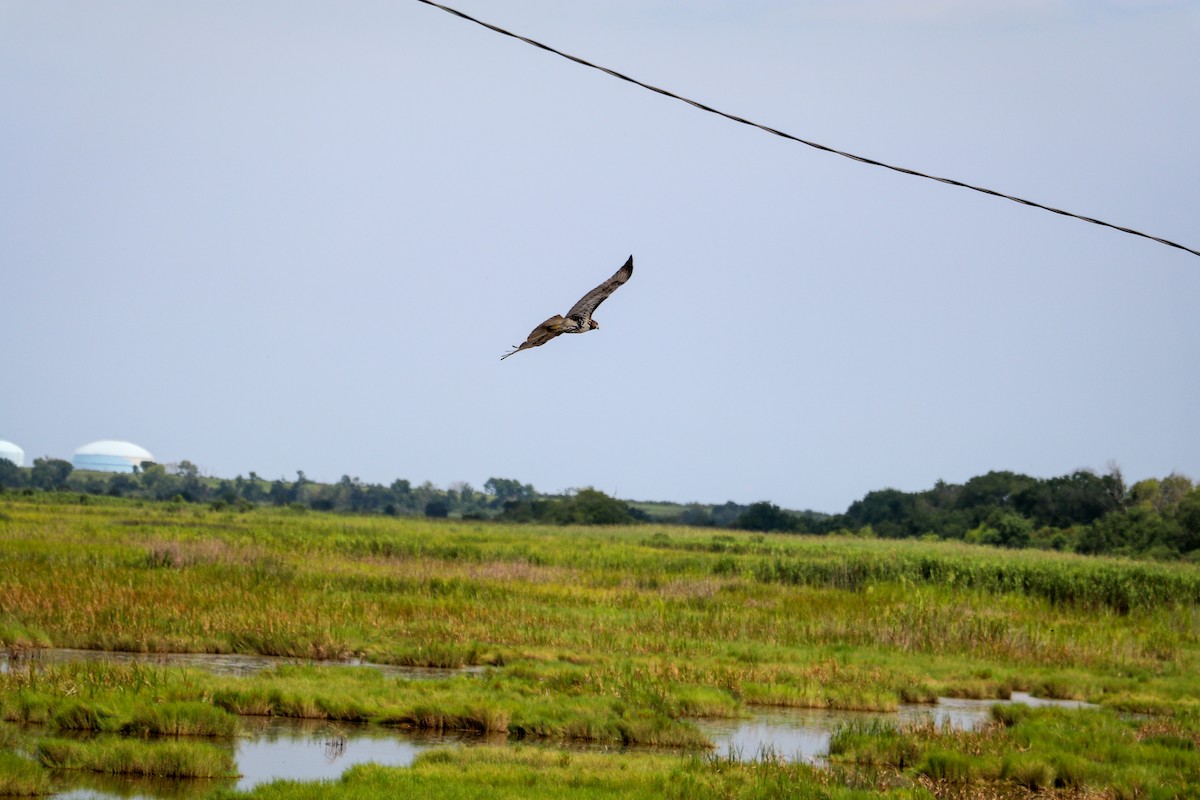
(500, 498)
(183, 482)
(1084, 512)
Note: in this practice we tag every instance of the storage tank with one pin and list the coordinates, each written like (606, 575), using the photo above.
(110, 456)
(13, 453)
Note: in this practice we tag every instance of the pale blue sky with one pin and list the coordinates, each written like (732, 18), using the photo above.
(275, 236)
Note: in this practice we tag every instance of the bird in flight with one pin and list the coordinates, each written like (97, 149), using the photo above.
(579, 318)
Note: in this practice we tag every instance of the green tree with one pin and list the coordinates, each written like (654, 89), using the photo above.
(724, 515)
(401, 498)
(697, 515)
(589, 507)
(1076, 499)
(50, 473)
(252, 490)
(992, 489)
(189, 485)
(1188, 515)
(122, 485)
(425, 494)
(889, 511)
(11, 476)
(1007, 529)
(505, 489)
(350, 494)
(767, 517)
(280, 493)
(299, 490)
(157, 484)
(1165, 495)
(466, 494)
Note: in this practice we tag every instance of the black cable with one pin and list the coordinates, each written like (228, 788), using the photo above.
(815, 145)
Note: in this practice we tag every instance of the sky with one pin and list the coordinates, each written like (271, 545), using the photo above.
(291, 235)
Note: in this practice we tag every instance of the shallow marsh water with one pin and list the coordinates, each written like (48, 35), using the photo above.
(218, 663)
(309, 750)
(803, 734)
(272, 748)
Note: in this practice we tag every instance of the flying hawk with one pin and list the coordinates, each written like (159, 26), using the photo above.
(579, 318)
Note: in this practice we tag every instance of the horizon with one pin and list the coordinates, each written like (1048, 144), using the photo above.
(566, 491)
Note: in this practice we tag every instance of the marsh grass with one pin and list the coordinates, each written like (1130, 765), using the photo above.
(518, 704)
(94, 696)
(540, 774)
(1032, 749)
(125, 756)
(21, 776)
(415, 592)
(76, 715)
(192, 718)
(608, 635)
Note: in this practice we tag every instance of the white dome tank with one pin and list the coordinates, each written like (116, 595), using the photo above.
(110, 456)
(13, 453)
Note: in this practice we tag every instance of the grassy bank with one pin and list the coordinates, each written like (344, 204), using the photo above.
(614, 635)
(123, 757)
(1037, 750)
(533, 774)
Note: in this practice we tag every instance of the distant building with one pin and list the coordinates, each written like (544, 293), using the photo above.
(110, 456)
(13, 453)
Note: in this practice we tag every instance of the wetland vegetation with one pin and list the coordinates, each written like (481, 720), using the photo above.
(613, 635)
(1084, 512)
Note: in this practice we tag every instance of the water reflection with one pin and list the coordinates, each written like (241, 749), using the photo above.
(95, 786)
(802, 734)
(270, 748)
(310, 750)
(969, 715)
(234, 664)
(792, 734)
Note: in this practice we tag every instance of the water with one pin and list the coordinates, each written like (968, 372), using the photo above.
(803, 734)
(271, 748)
(310, 750)
(794, 734)
(217, 663)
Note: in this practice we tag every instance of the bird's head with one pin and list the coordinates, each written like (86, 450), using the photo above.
(593, 325)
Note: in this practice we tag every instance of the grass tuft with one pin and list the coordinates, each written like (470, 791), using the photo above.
(22, 777)
(132, 757)
(181, 719)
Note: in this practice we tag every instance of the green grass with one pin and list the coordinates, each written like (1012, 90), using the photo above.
(550, 702)
(125, 756)
(21, 776)
(190, 718)
(419, 592)
(609, 635)
(1035, 749)
(534, 774)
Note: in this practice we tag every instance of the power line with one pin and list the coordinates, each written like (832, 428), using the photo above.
(825, 148)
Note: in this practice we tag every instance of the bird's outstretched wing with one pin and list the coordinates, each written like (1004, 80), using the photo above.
(588, 303)
(539, 335)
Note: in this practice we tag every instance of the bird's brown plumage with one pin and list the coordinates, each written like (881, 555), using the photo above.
(579, 318)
